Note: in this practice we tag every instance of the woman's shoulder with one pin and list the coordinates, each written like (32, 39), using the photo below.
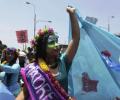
(64, 62)
(16, 64)
(62, 56)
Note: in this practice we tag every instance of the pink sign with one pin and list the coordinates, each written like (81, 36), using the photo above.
(22, 36)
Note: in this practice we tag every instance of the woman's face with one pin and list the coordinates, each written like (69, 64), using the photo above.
(53, 48)
(10, 55)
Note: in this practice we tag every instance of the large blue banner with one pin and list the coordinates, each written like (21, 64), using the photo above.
(91, 76)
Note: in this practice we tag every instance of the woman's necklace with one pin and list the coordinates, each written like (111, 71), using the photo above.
(54, 69)
(55, 83)
(55, 75)
(53, 65)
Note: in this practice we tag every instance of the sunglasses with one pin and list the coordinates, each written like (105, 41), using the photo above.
(52, 38)
(53, 41)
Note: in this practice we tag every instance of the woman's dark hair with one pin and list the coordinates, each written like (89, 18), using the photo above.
(13, 61)
(15, 55)
(41, 45)
(0, 42)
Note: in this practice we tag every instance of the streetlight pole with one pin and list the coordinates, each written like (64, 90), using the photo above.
(43, 21)
(109, 22)
(48, 21)
(34, 16)
(36, 21)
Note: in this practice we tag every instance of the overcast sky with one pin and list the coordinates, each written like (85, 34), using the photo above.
(16, 15)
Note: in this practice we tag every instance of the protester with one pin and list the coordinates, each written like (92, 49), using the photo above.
(11, 70)
(22, 58)
(49, 63)
(30, 55)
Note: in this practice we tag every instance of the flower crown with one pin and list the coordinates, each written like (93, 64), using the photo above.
(7, 51)
(10, 50)
(40, 34)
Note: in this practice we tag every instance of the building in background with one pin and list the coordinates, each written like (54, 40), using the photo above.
(91, 19)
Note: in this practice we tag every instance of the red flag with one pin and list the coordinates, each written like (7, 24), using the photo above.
(22, 36)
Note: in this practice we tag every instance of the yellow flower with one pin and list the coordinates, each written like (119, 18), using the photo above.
(43, 65)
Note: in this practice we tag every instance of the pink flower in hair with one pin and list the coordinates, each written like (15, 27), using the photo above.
(40, 32)
(33, 43)
(50, 30)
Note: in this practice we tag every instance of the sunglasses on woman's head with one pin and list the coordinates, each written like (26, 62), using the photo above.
(53, 38)
(53, 41)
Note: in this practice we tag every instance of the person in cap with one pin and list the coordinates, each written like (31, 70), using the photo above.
(22, 59)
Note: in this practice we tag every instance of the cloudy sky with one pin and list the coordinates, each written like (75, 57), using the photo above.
(16, 15)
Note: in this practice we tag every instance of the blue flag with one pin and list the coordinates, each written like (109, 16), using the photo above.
(91, 77)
